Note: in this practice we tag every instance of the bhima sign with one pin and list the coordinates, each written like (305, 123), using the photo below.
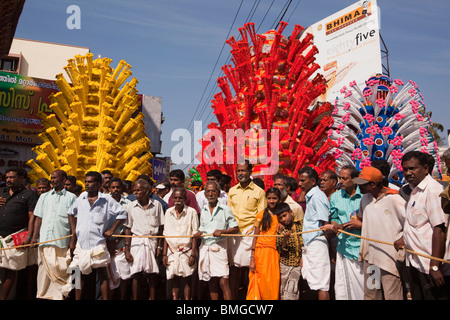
(348, 19)
(349, 46)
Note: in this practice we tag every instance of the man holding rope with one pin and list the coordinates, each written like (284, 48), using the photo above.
(245, 200)
(424, 231)
(93, 218)
(16, 226)
(51, 222)
(145, 223)
(382, 211)
(316, 268)
(344, 204)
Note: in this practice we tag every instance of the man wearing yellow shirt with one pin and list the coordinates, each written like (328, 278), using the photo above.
(245, 199)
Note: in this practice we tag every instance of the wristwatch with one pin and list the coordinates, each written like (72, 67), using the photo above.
(435, 268)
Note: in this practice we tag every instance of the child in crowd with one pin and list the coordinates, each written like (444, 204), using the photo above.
(264, 275)
(290, 247)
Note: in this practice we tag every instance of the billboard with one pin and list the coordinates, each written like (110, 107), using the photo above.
(160, 169)
(21, 99)
(349, 46)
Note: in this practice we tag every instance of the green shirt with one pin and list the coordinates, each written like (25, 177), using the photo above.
(341, 208)
(221, 218)
(52, 208)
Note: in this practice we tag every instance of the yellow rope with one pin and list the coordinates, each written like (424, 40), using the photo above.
(391, 244)
(246, 235)
(35, 244)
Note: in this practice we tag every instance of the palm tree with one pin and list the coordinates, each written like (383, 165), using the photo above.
(435, 127)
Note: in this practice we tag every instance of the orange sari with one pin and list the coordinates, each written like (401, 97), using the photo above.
(264, 283)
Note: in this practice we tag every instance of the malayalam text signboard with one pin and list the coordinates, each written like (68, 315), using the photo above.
(21, 99)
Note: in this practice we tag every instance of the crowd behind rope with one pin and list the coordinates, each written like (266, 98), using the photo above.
(346, 235)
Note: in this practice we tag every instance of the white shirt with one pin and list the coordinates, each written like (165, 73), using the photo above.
(185, 225)
(93, 221)
(145, 222)
(202, 201)
(382, 219)
(423, 213)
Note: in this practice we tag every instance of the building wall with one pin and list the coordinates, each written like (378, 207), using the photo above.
(43, 59)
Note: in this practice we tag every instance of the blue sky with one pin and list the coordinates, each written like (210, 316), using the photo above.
(176, 48)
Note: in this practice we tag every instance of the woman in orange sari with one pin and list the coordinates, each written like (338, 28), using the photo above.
(264, 275)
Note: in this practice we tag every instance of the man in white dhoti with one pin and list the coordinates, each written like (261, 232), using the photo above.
(217, 219)
(119, 269)
(180, 249)
(51, 222)
(315, 256)
(145, 223)
(93, 218)
(344, 205)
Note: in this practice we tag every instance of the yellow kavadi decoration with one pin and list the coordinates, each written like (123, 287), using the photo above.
(91, 127)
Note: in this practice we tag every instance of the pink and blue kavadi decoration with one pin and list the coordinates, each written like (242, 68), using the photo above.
(383, 121)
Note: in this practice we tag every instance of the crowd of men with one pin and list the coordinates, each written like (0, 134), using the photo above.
(362, 237)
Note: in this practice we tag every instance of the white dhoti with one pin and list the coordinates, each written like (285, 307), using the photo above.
(349, 283)
(143, 251)
(178, 260)
(53, 278)
(241, 247)
(316, 264)
(213, 261)
(10, 257)
(120, 267)
(86, 260)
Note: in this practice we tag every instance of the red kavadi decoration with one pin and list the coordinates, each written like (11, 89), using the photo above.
(271, 86)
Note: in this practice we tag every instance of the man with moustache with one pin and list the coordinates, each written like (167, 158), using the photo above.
(177, 179)
(17, 204)
(211, 175)
(71, 184)
(119, 267)
(145, 218)
(245, 200)
(217, 219)
(280, 181)
(316, 260)
(51, 222)
(344, 205)
(180, 250)
(93, 218)
(424, 231)
(382, 212)
(327, 182)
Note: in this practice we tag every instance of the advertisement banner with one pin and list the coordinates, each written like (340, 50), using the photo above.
(21, 99)
(159, 166)
(349, 47)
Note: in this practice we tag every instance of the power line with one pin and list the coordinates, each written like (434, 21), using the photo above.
(206, 103)
(217, 61)
(279, 18)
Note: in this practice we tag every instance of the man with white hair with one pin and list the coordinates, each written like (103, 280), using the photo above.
(145, 218)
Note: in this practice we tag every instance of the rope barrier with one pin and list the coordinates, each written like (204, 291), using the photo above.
(35, 244)
(246, 235)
